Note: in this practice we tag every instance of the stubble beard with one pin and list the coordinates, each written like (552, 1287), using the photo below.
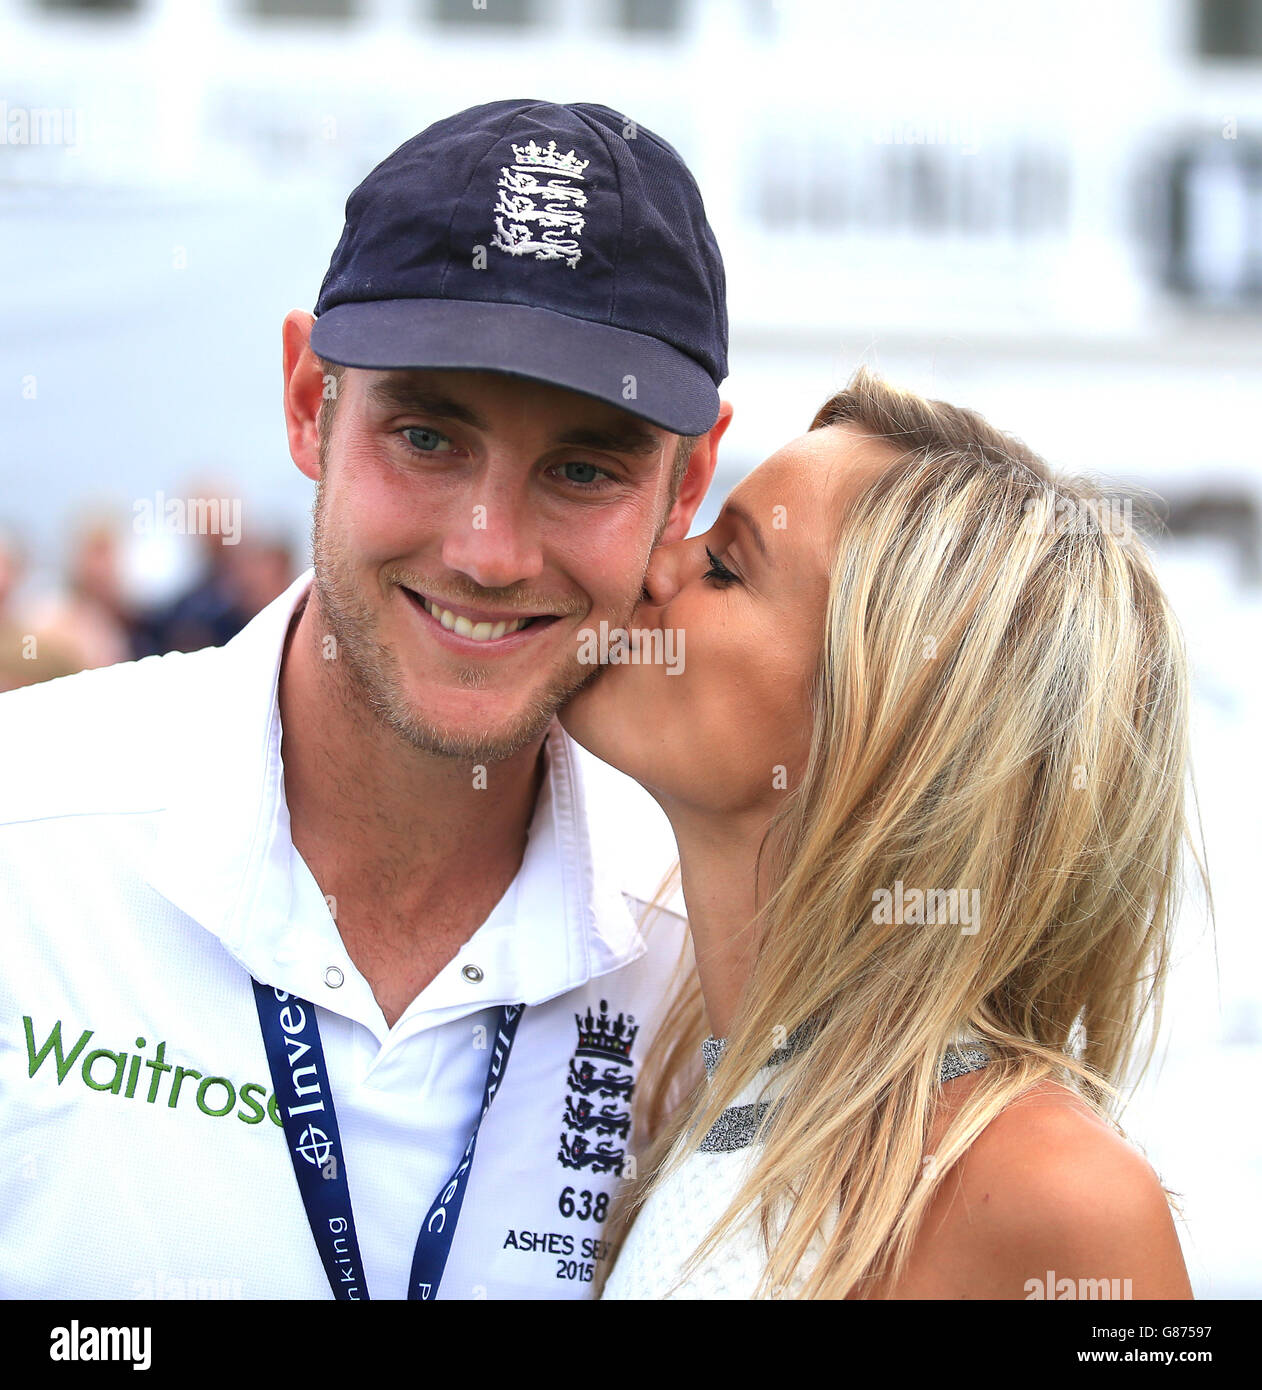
(366, 674)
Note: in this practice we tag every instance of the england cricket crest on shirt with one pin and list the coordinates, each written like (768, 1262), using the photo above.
(600, 1083)
(538, 210)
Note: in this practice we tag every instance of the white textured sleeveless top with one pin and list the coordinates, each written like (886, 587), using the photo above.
(684, 1209)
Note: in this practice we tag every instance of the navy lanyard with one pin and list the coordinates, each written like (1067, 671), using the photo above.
(304, 1098)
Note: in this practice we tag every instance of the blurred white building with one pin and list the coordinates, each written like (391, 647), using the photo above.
(1050, 212)
(997, 199)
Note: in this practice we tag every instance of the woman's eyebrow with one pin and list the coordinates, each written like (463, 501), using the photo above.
(741, 515)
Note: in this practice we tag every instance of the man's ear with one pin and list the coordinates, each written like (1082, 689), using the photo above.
(696, 481)
(304, 392)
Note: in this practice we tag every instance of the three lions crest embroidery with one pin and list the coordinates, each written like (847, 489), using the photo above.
(601, 1081)
(538, 210)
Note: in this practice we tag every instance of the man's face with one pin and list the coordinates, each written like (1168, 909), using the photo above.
(496, 499)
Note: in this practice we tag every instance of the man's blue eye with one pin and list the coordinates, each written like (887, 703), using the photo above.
(427, 441)
(591, 469)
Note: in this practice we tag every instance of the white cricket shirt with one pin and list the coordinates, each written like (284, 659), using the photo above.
(147, 871)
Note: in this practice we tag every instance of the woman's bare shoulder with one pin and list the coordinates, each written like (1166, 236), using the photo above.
(1048, 1193)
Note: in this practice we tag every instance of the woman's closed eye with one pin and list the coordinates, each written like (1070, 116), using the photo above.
(718, 572)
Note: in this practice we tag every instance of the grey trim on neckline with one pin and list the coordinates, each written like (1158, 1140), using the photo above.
(712, 1049)
(737, 1127)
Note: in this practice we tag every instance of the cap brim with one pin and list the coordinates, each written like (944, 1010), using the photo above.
(643, 376)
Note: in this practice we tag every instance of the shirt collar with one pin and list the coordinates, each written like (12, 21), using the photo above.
(223, 852)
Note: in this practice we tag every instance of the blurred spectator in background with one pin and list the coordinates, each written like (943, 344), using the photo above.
(86, 625)
(98, 616)
(24, 657)
(237, 581)
(90, 619)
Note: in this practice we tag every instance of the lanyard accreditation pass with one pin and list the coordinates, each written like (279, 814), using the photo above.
(304, 1099)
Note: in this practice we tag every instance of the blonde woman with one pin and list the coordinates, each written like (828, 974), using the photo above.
(925, 764)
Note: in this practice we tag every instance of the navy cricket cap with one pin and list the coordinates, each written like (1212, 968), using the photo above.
(558, 243)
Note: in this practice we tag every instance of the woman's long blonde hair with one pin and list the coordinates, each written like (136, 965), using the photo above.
(1000, 706)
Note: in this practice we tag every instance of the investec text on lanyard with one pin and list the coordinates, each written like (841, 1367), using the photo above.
(300, 1080)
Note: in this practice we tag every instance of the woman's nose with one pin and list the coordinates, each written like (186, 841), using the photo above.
(665, 575)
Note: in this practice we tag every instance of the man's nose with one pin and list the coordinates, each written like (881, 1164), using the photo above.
(498, 545)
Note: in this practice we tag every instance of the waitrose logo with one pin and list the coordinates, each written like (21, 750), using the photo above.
(120, 1073)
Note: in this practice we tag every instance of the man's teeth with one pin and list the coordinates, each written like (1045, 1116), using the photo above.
(462, 627)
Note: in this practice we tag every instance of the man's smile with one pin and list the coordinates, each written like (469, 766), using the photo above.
(462, 627)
